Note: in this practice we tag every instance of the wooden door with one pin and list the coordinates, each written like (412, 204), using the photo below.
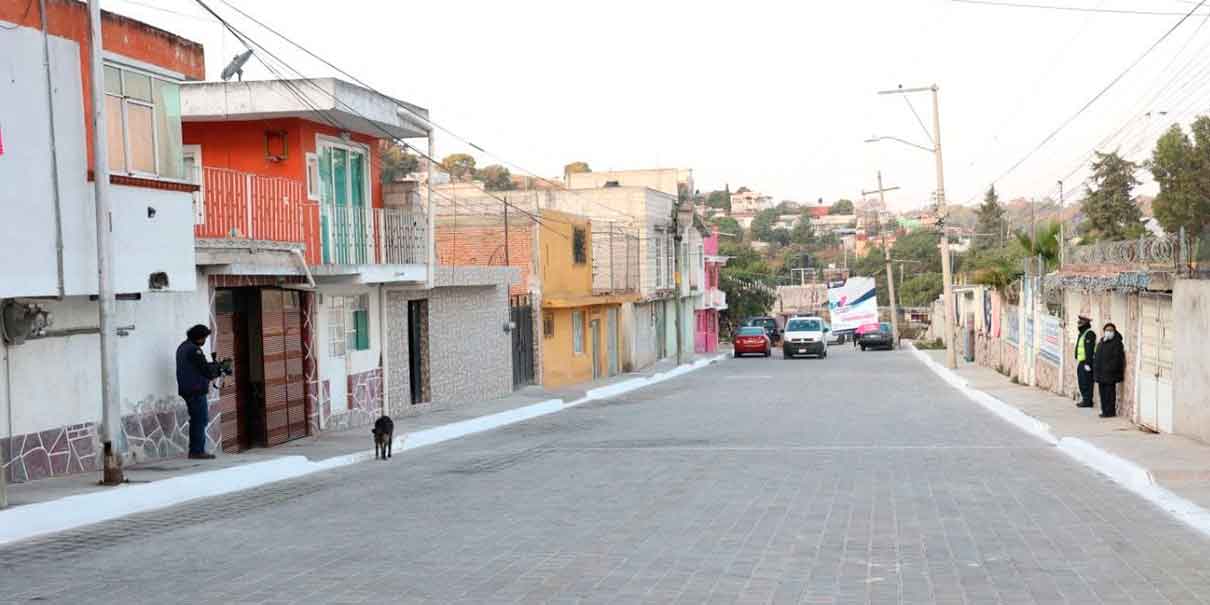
(296, 391)
(273, 340)
(225, 346)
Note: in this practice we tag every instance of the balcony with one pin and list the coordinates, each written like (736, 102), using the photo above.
(273, 215)
(715, 299)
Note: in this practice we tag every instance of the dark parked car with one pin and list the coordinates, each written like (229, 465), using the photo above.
(770, 326)
(752, 340)
(878, 339)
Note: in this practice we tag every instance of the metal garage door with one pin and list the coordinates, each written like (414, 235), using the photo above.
(1155, 363)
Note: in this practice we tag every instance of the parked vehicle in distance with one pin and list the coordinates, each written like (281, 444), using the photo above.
(770, 326)
(752, 340)
(805, 336)
(834, 337)
(878, 338)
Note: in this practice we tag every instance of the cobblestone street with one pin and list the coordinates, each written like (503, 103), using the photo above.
(860, 478)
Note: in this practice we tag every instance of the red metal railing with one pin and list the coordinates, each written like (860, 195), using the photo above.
(241, 205)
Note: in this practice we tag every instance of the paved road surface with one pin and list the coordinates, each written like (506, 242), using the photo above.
(859, 478)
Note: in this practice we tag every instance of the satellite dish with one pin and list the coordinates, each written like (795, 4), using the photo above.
(236, 66)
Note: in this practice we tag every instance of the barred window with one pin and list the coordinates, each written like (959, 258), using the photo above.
(548, 324)
(579, 245)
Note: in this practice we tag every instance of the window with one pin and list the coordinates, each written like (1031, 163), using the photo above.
(579, 245)
(341, 174)
(357, 322)
(804, 325)
(312, 177)
(143, 124)
(577, 332)
(336, 326)
(348, 324)
(659, 262)
(548, 324)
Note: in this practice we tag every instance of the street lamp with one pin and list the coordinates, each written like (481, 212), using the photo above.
(951, 355)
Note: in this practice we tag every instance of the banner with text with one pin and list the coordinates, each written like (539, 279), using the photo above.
(1050, 346)
(853, 303)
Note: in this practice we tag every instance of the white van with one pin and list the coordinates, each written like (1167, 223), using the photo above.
(805, 336)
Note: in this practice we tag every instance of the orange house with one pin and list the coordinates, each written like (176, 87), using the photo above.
(297, 239)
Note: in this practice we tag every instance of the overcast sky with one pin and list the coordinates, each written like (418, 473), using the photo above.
(777, 96)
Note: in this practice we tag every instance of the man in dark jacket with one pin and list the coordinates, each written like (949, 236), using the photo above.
(1086, 345)
(1109, 368)
(193, 376)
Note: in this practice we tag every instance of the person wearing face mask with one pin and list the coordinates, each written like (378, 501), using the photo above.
(1086, 346)
(1109, 367)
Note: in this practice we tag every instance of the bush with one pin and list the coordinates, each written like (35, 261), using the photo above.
(930, 345)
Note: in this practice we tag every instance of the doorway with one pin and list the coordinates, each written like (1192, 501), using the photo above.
(594, 326)
(611, 339)
(418, 351)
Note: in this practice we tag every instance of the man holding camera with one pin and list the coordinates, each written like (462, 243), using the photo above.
(193, 376)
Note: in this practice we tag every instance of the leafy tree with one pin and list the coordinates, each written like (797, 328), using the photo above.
(495, 178)
(747, 280)
(920, 290)
(780, 237)
(997, 267)
(920, 246)
(842, 207)
(742, 190)
(803, 231)
(460, 166)
(763, 225)
(1046, 245)
(1180, 167)
(990, 223)
(576, 168)
(397, 163)
(1109, 208)
(719, 199)
(727, 224)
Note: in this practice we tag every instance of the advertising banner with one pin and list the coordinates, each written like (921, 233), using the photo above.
(853, 303)
(1050, 347)
(1014, 324)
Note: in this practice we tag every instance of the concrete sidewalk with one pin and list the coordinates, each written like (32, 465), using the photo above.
(1171, 470)
(58, 504)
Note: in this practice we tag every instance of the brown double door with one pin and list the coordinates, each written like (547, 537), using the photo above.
(264, 403)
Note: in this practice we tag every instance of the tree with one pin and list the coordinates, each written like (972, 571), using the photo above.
(842, 207)
(803, 231)
(747, 280)
(719, 199)
(920, 246)
(460, 166)
(728, 225)
(763, 225)
(1109, 210)
(1046, 245)
(576, 168)
(495, 178)
(920, 290)
(397, 163)
(743, 190)
(990, 223)
(1180, 166)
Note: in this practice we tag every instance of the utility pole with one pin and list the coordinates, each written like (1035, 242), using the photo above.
(111, 398)
(506, 263)
(890, 271)
(1062, 241)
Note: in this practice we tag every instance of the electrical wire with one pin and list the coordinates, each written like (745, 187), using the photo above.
(1077, 9)
(425, 119)
(1062, 126)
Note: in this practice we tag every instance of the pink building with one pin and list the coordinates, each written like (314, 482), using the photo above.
(715, 300)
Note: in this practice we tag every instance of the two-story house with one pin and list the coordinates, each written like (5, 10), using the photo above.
(325, 292)
(50, 381)
(714, 300)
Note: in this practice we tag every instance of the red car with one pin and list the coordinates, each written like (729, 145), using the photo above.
(753, 340)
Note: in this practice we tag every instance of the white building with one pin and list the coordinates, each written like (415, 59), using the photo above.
(750, 202)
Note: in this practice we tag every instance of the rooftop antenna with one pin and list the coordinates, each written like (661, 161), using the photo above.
(236, 66)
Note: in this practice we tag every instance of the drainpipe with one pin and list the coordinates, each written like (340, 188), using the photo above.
(302, 262)
(54, 153)
(432, 218)
(8, 406)
(384, 357)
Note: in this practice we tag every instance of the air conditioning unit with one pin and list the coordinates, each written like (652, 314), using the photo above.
(23, 320)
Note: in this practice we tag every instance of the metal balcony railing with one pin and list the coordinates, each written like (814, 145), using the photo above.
(240, 205)
(402, 235)
(615, 261)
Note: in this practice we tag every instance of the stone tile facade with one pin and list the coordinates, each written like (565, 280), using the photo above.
(160, 429)
(51, 453)
(470, 354)
(365, 402)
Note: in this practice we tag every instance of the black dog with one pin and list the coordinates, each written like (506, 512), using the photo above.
(384, 431)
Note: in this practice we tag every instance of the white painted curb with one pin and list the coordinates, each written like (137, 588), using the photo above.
(1120, 470)
(28, 521)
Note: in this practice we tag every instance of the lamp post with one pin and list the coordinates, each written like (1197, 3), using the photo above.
(890, 271)
(951, 356)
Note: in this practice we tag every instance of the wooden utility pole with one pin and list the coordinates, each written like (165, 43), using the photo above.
(890, 270)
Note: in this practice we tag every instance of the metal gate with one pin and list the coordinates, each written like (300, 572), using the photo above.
(521, 312)
(225, 346)
(1155, 363)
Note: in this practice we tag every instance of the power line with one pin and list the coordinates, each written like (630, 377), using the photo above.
(1099, 94)
(427, 120)
(1075, 9)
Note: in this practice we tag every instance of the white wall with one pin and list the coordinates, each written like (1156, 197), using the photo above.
(1190, 374)
(56, 381)
(142, 245)
(354, 362)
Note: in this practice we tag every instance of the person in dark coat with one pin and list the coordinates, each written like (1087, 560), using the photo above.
(1086, 346)
(1109, 368)
(193, 376)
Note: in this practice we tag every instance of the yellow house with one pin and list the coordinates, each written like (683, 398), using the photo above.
(579, 332)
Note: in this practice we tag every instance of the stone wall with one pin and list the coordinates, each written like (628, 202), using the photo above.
(470, 354)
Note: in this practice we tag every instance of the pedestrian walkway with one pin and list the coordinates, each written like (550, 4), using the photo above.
(1113, 446)
(66, 502)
